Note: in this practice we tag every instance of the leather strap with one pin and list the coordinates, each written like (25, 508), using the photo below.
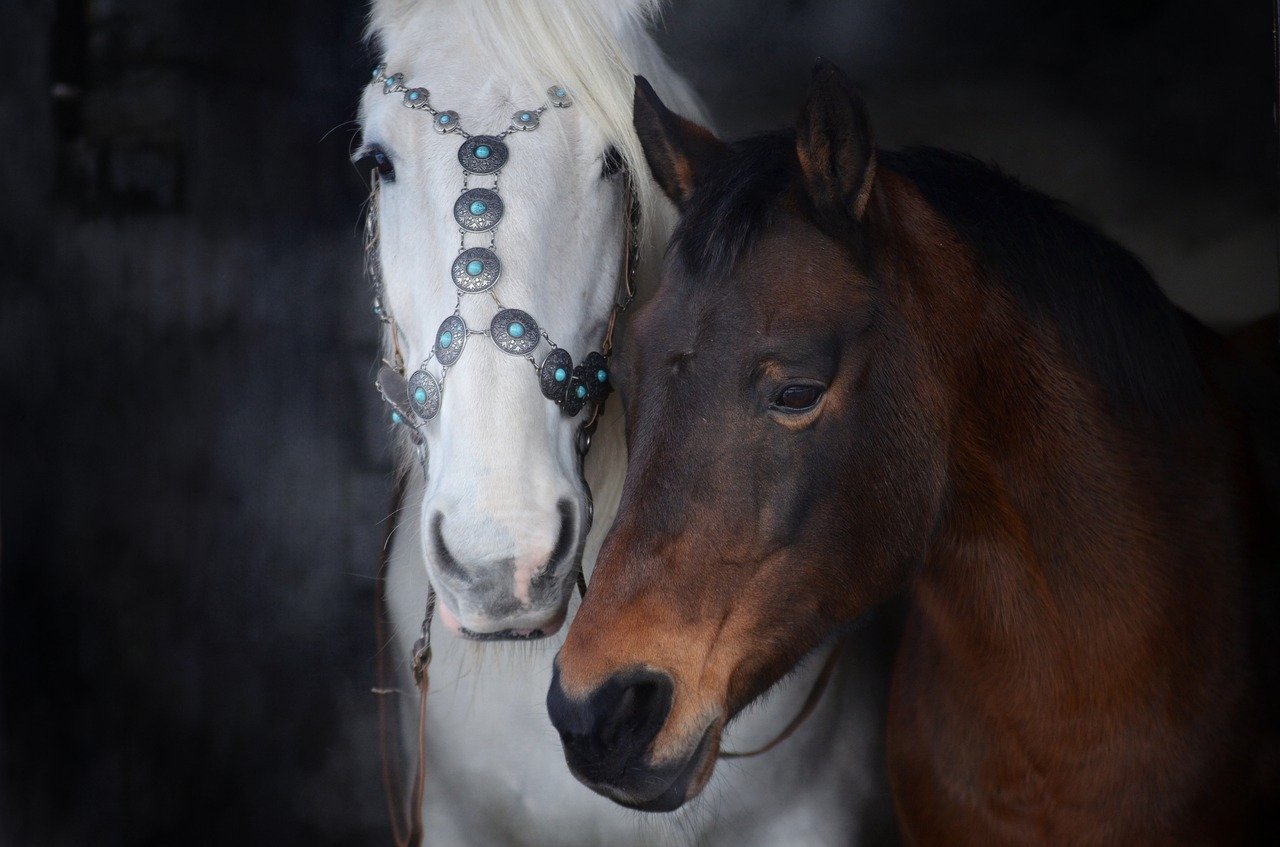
(406, 819)
(810, 703)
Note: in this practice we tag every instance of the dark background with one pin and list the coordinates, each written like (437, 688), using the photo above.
(192, 469)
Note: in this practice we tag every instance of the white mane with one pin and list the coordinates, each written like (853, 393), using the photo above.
(594, 47)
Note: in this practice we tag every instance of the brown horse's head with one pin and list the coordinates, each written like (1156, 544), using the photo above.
(786, 446)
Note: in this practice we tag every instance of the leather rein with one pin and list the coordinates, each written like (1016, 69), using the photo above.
(407, 826)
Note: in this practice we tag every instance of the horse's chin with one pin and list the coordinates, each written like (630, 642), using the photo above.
(684, 779)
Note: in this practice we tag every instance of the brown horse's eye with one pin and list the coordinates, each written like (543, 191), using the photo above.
(798, 397)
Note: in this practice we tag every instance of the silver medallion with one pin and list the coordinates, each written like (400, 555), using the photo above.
(379, 73)
(559, 97)
(525, 119)
(450, 338)
(446, 121)
(478, 209)
(424, 395)
(554, 374)
(482, 154)
(515, 332)
(487, 269)
(393, 84)
(416, 98)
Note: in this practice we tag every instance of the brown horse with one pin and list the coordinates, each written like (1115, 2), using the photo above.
(868, 371)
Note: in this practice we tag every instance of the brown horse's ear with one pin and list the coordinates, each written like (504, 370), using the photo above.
(834, 143)
(678, 151)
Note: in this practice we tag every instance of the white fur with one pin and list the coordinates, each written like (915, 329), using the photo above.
(501, 455)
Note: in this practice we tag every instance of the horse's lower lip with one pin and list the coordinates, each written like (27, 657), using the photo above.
(511, 634)
(506, 634)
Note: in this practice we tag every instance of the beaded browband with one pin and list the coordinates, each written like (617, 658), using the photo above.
(415, 399)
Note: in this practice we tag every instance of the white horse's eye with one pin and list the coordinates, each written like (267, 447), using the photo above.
(611, 163)
(372, 156)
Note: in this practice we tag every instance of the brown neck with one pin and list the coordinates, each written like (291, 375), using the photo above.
(1064, 529)
(1073, 668)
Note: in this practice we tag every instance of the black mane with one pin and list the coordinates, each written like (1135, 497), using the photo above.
(1109, 313)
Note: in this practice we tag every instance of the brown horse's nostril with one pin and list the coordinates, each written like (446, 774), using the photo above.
(606, 735)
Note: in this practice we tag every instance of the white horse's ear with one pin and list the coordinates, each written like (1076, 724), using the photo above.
(678, 150)
(834, 144)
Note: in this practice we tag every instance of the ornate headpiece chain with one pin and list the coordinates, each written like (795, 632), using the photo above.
(415, 398)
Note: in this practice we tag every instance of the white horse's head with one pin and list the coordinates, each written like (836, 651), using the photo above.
(505, 508)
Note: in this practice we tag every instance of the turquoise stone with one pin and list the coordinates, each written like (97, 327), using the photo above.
(376, 71)
(602, 375)
(420, 395)
(446, 338)
(524, 117)
(482, 152)
(561, 375)
(414, 95)
(515, 330)
(395, 418)
(559, 92)
(444, 119)
(582, 392)
(478, 207)
(474, 267)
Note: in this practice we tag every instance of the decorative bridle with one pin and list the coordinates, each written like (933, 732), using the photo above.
(415, 398)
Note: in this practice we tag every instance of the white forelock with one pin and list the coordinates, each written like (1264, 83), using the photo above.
(595, 47)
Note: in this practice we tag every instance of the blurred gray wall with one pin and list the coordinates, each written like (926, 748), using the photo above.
(192, 470)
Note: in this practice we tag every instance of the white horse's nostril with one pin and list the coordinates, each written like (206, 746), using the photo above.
(515, 583)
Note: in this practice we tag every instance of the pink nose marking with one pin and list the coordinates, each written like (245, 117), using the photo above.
(526, 568)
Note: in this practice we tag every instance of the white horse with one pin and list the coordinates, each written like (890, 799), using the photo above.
(501, 501)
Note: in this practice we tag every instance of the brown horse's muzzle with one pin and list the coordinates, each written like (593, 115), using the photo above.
(640, 690)
(608, 737)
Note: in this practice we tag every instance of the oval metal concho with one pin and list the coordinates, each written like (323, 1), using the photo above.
(427, 403)
(490, 209)
(517, 345)
(557, 360)
(454, 330)
(592, 367)
(490, 270)
(473, 163)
